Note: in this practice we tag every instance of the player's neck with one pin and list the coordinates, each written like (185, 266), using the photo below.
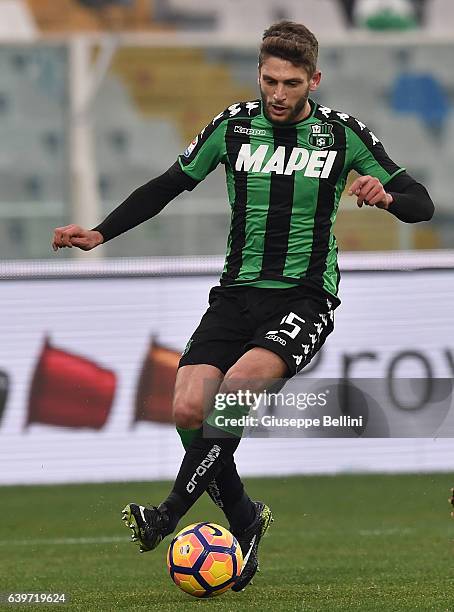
(305, 112)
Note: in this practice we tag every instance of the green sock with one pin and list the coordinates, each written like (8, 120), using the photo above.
(225, 418)
(187, 435)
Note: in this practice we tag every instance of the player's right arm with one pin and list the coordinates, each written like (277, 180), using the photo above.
(74, 235)
(199, 159)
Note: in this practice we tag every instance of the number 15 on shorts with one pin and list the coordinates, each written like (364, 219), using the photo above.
(290, 321)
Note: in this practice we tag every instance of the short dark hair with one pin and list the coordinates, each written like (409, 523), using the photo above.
(290, 41)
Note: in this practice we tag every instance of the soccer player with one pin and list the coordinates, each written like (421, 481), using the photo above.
(286, 159)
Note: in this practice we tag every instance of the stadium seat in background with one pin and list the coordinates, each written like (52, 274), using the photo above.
(62, 15)
(133, 146)
(320, 16)
(185, 14)
(16, 21)
(423, 95)
(449, 139)
(89, 16)
(190, 6)
(347, 84)
(32, 153)
(130, 149)
(254, 16)
(99, 4)
(407, 140)
(434, 62)
(441, 179)
(440, 16)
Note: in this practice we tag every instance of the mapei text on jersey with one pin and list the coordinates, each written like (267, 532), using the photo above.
(316, 164)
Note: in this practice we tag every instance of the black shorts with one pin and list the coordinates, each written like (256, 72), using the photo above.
(293, 323)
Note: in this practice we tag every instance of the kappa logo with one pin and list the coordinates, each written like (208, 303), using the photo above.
(239, 129)
(251, 106)
(271, 335)
(316, 164)
(321, 135)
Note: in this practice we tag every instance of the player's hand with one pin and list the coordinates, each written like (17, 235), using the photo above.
(370, 191)
(74, 235)
(451, 501)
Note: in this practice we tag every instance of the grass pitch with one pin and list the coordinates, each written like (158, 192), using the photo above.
(355, 543)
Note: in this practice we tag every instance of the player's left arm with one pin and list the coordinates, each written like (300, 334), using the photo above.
(382, 182)
(402, 196)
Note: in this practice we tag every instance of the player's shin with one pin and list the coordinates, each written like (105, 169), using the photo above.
(236, 503)
(237, 506)
(206, 456)
(187, 436)
(226, 490)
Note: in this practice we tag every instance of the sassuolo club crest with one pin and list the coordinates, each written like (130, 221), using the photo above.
(321, 135)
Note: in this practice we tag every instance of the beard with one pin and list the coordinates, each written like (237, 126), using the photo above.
(294, 111)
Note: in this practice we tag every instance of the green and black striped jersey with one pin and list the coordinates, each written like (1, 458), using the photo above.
(284, 184)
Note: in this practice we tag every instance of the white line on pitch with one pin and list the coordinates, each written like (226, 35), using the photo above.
(381, 532)
(315, 533)
(118, 539)
(65, 541)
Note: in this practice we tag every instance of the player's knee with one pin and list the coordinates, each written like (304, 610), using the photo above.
(254, 376)
(255, 371)
(238, 379)
(187, 414)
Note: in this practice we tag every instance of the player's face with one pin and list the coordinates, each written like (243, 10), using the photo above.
(285, 90)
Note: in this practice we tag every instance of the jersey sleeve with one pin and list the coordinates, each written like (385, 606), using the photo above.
(367, 155)
(206, 151)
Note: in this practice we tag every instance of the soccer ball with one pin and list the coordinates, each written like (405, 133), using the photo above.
(204, 559)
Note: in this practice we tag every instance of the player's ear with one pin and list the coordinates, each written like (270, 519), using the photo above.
(314, 81)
